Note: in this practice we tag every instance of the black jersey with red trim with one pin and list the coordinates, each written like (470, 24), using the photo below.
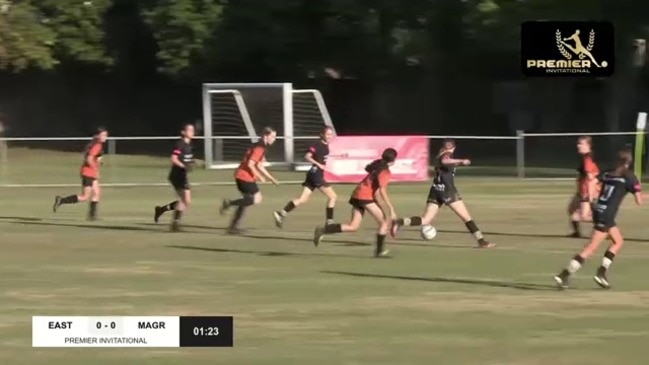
(185, 153)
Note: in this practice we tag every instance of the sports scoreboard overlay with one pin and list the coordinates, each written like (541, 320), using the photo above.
(148, 331)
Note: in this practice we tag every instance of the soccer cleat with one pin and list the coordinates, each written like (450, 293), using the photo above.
(394, 228)
(574, 235)
(278, 219)
(235, 231)
(158, 212)
(317, 236)
(383, 252)
(601, 280)
(57, 203)
(562, 282)
(329, 221)
(224, 207)
(485, 244)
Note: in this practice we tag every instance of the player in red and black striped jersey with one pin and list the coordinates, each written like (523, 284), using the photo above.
(317, 156)
(182, 158)
(364, 198)
(444, 192)
(249, 171)
(90, 189)
(615, 185)
(579, 208)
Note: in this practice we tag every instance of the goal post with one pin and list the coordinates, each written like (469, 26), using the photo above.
(234, 114)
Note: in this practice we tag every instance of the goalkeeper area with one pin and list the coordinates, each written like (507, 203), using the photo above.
(235, 114)
(439, 301)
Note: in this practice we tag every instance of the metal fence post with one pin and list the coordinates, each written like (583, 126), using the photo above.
(112, 153)
(520, 154)
(4, 160)
(112, 146)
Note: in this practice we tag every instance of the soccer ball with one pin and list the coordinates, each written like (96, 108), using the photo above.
(428, 232)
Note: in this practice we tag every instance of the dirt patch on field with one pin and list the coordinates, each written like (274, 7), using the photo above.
(138, 270)
(31, 295)
(576, 336)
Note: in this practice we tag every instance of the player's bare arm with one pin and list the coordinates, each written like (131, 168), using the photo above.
(262, 169)
(383, 194)
(447, 161)
(639, 199)
(592, 186)
(255, 168)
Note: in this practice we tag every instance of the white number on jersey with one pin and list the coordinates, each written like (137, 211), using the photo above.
(608, 191)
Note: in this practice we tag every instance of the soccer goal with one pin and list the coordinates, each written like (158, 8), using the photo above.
(235, 114)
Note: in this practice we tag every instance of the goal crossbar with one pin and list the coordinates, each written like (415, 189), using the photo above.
(322, 107)
(218, 152)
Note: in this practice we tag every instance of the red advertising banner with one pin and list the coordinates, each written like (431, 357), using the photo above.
(348, 156)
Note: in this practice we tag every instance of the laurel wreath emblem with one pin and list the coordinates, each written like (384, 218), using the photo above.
(591, 43)
(560, 46)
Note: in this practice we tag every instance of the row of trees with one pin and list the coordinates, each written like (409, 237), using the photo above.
(355, 38)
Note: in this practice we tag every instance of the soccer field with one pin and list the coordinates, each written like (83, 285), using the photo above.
(439, 302)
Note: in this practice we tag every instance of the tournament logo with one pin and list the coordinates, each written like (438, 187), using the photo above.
(567, 49)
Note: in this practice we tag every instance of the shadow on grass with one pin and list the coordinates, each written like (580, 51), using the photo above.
(411, 243)
(78, 225)
(490, 283)
(524, 235)
(22, 219)
(192, 226)
(264, 253)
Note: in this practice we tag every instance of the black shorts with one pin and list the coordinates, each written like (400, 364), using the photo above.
(360, 204)
(442, 194)
(604, 220)
(87, 182)
(315, 181)
(246, 187)
(179, 181)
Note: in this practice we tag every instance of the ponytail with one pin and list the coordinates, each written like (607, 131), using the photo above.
(376, 165)
(387, 157)
(95, 137)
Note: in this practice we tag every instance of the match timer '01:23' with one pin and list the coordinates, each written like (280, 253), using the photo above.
(206, 332)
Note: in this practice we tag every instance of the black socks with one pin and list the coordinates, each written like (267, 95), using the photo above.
(412, 221)
(330, 213)
(575, 227)
(475, 231)
(92, 212)
(333, 228)
(287, 208)
(380, 243)
(72, 199)
(238, 214)
(245, 201)
(170, 206)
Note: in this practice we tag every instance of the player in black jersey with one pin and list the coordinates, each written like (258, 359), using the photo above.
(182, 158)
(615, 185)
(444, 192)
(317, 156)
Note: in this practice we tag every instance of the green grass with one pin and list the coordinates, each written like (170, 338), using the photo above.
(439, 302)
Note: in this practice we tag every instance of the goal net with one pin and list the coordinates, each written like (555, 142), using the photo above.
(235, 114)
